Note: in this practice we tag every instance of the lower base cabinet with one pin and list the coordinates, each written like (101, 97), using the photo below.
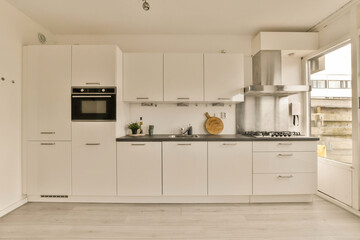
(230, 168)
(139, 168)
(285, 183)
(93, 159)
(49, 168)
(284, 168)
(185, 168)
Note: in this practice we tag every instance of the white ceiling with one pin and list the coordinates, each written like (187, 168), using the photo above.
(177, 16)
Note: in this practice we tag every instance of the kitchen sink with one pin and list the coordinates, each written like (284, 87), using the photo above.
(183, 136)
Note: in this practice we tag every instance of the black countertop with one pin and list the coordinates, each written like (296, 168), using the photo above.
(208, 138)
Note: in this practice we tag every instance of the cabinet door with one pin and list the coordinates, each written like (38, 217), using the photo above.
(94, 65)
(143, 77)
(185, 168)
(183, 77)
(49, 168)
(230, 168)
(47, 88)
(93, 158)
(224, 77)
(139, 168)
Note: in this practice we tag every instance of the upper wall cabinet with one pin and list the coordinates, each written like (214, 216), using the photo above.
(224, 77)
(94, 65)
(143, 77)
(183, 77)
(47, 84)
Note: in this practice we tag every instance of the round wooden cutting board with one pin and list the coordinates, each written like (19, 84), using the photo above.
(213, 125)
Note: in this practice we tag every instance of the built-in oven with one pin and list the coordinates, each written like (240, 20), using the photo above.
(93, 104)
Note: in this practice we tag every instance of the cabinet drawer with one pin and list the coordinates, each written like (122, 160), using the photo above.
(290, 183)
(270, 146)
(284, 162)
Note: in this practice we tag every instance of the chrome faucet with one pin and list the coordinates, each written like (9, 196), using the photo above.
(188, 130)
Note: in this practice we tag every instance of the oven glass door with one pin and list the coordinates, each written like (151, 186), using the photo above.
(93, 107)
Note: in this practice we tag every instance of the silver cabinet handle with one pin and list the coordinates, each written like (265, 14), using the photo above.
(285, 155)
(91, 96)
(229, 144)
(92, 83)
(223, 98)
(92, 144)
(183, 98)
(184, 144)
(285, 176)
(47, 144)
(47, 132)
(284, 143)
(138, 144)
(142, 98)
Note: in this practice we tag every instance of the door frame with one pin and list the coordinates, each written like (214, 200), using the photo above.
(354, 40)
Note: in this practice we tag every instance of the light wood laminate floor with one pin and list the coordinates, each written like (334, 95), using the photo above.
(301, 221)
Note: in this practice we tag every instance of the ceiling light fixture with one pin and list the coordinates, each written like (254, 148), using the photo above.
(146, 5)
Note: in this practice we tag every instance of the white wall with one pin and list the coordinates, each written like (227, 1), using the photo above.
(168, 118)
(16, 29)
(166, 43)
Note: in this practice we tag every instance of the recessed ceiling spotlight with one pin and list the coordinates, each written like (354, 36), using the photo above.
(146, 5)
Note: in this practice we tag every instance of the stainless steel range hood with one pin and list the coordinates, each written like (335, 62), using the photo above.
(267, 79)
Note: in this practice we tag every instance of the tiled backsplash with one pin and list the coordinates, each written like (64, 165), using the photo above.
(170, 118)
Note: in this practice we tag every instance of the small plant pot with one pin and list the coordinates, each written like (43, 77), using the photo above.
(134, 131)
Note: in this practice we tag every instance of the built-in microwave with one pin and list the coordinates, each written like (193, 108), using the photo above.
(93, 104)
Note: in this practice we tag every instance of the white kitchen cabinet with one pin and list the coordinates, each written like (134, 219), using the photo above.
(285, 183)
(47, 91)
(224, 77)
(284, 167)
(230, 168)
(283, 162)
(93, 158)
(139, 168)
(94, 65)
(285, 146)
(49, 168)
(183, 77)
(184, 168)
(143, 77)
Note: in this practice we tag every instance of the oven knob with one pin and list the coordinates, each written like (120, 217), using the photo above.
(103, 90)
(82, 90)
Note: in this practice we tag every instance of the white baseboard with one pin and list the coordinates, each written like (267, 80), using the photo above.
(12, 207)
(177, 199)
(281, 198)
(155, 199)
(338, 203)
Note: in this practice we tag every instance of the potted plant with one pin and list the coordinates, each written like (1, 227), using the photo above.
(134, 127)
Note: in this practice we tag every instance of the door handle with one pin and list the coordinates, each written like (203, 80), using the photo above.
(92, 144)
(284, 143)
(47, 132)
(285, 155)
(92, 83)
(138, 144)
(184, 144)
(285, 176)
(47, 144)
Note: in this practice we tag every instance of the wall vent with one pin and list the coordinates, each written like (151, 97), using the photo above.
(54, 196)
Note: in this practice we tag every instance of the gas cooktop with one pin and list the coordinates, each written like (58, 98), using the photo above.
(271, 134)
